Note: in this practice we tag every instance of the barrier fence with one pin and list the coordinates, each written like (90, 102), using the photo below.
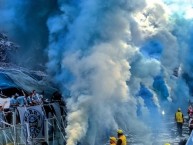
(34, 128)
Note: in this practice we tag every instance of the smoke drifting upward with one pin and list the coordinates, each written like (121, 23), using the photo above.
(121, 60)
(90, 49)
(115, 57)
(93, 45)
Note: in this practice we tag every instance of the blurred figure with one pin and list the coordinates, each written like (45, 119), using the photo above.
(2, 106)
(42, 96)
(1, 113)
(13, 105)
(25, 97)
(13, 102)
(29, 100)
(121, 138)
(167, 144)
(179, 117)
(20, 100)
(113, 141)
(36, 98)
(190, 125)
(190, 111)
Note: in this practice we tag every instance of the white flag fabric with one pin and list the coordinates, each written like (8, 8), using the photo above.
(60, 110)
(56, 107)
(3, 100)
(33, 119)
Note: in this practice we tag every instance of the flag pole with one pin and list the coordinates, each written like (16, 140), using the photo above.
(14, 127)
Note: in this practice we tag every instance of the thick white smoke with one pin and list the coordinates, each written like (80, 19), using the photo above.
(95, 52)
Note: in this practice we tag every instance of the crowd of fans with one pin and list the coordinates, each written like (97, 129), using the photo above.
(30, 99)
(25, 100)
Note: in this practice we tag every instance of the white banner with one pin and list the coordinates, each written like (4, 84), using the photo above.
(60, 110)
(57, 112)
(5, 101)
(33, 119)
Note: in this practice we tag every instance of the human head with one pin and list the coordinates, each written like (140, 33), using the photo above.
(179, 109)
(119, 132)
(30, 94)
(16, 94)
(33, 91)
(113, 140)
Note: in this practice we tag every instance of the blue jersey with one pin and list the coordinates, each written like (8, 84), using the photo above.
(13, 101)
(21, 100)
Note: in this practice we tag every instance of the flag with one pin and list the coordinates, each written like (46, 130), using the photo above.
(3, 100)
(57, 110)
(33, 119)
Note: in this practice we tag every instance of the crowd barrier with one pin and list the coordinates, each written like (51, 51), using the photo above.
(36, 125)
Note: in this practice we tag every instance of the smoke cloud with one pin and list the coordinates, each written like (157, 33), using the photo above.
(113, 52)
(96, 50)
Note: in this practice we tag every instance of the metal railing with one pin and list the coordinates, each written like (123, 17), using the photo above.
(53, 133)
(12, 135)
